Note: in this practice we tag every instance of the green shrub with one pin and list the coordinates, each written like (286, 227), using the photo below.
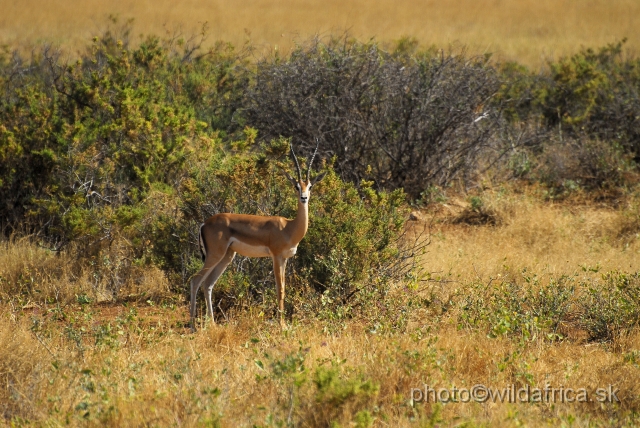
(594, 93)
(528, 309)
(106, 128)
(327, 396)
(612, 307)
(604, 309)
(337, 396)
(517, 92)
(92, 151)
(596, 90)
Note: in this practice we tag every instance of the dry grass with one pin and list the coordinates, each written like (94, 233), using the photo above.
(226, 373)
(78, 363)
(529, 31)
(545, 237)
(30, 274)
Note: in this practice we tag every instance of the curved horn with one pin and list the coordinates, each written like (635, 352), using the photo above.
(312, 158)
(295, 159)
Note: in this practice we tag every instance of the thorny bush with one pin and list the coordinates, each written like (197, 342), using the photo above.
(401, 121)
(594, 94)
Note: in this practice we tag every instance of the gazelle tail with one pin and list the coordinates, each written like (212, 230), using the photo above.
(203, 247)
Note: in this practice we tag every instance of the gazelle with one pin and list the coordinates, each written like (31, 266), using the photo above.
(224, 235)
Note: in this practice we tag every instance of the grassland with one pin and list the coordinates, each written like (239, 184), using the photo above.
(136, 363)
(529, 31)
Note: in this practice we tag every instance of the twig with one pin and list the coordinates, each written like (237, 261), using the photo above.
(44, 345)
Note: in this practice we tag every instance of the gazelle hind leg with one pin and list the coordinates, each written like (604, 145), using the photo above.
(212, 278)
(211, 262)
(196, 281)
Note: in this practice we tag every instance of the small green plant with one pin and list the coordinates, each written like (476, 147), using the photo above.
(339, 397)
(477, 213)
(612, 307)
(476, 203)
(531, 309)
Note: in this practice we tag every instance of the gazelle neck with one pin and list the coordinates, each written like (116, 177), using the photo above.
(300, 224)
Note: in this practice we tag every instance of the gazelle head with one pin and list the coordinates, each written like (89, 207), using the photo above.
(303, 187)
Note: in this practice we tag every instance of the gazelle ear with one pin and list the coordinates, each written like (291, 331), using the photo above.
(318, 178)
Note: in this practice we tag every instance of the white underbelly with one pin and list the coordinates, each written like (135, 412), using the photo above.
(290, 252)
(247, 250)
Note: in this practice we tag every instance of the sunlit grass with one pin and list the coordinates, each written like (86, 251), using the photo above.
(67, 358)
(527, 31)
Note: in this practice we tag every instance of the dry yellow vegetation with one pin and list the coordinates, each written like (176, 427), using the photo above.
(551, 238)
(81, 362)
(529, 31)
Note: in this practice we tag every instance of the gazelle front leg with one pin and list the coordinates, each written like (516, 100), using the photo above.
(279, 265)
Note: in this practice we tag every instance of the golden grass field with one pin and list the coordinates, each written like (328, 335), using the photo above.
(529, 31)
(137, 364)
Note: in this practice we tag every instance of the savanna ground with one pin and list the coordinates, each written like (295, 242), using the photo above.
(135, 362)
(522, 283)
